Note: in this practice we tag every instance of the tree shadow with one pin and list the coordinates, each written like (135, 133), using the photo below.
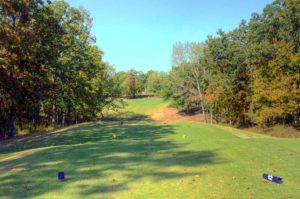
(127, 117)
(66, 136)
(100, 151)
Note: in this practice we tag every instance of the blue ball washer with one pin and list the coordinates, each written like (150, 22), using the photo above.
(272, 178)
(61, 176)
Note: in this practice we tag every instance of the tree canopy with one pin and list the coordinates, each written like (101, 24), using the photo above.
(50, 70)
(248, 75)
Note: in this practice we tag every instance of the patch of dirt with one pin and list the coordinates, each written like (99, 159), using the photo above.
(170, 114)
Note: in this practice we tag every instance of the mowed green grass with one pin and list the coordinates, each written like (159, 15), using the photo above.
(134, 157)
(143, 105)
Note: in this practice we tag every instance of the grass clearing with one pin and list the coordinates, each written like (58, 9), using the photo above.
(133, 156)
(143, 105)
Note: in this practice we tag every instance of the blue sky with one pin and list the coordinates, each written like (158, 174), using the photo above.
(140, 33)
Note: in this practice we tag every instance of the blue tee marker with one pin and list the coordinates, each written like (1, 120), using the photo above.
(275, 179)
(61, 176)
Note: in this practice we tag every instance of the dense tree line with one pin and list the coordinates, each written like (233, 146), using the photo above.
(51, 73)
(250, 75)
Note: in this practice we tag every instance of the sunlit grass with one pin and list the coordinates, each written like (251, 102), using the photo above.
(143, 105)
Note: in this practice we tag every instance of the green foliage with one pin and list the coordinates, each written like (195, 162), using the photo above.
(155, 81)
(132, 83)
(188, 76)
(248, 75)
(135, 83)
(51, 71)
(275, 94)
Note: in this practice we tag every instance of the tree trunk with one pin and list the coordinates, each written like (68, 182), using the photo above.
(63, 120)
(11, 127)
(47, 120)
(211, 114)
(20, 123)
(53, 116)
(203, 111)
(76, 118)
(201, 98)
(68, 117)
(36, 117)
(3, 125)
(297, 117)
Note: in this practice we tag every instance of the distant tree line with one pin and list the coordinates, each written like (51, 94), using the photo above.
(51, 73)
(137, 83)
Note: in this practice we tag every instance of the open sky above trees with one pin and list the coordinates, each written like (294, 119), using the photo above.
(140, 33)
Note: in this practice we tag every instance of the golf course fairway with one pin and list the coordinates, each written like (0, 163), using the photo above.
(130, 155)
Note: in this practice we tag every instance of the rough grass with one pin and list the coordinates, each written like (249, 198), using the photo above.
(278, 131)
(132, 156)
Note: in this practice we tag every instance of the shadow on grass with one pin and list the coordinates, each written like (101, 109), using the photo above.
(109, 125)
(127, 117)
(111, 154)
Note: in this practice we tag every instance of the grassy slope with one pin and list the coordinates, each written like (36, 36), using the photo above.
(143, 105)
(151, 160)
